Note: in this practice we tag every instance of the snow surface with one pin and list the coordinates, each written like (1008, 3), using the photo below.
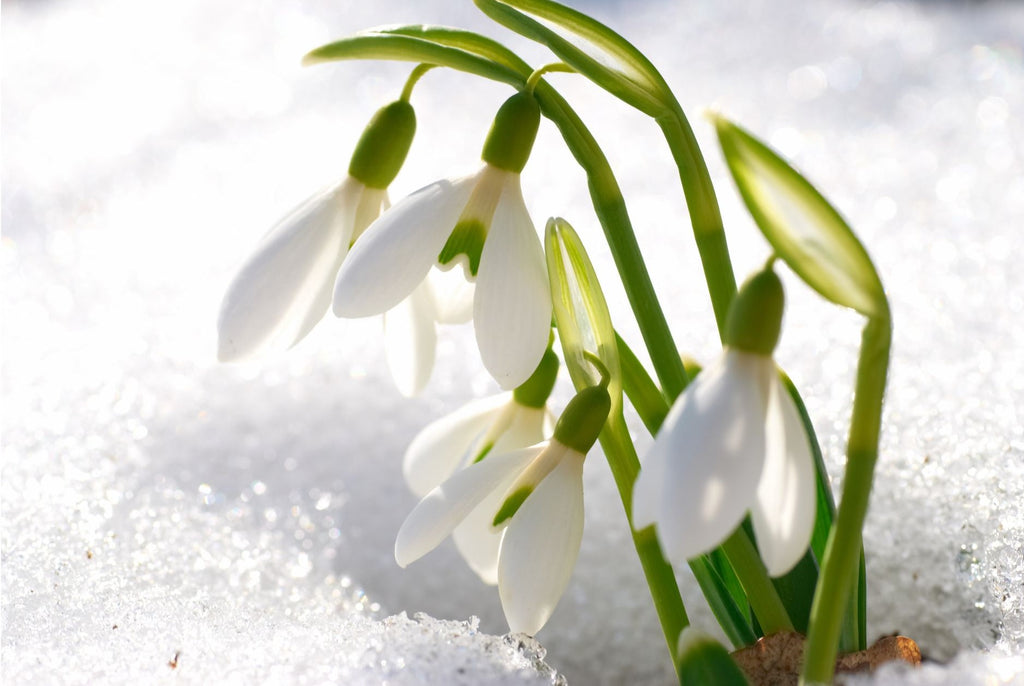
(168, 518)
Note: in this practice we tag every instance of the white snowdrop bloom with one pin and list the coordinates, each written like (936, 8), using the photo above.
(533, 497)
(502, 423)
(732, 443)
(284, 289)
(481, 223)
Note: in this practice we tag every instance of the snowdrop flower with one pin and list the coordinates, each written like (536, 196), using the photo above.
(733, 442)
(284, 289)
(500, 424)
(479, 222)
(534, 497)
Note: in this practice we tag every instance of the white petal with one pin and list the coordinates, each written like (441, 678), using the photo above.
(713, 444)
(478, 541)
(647, 490)
(397, 250)
(453, 296)
(410, 341)
(437, 450)
(284, 288)
(529, 425)
(783, 512)
(447, 505)
(540, 547)
(512, 308)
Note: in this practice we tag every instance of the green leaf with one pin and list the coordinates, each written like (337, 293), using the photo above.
(802, 227)
(581, 313)
(592, 49)
(375, 45)
(461, 39)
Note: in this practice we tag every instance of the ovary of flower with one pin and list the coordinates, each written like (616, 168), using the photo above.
(491, 425)
(284, 289)
(539, 542)
(481, 222)
(732, 443)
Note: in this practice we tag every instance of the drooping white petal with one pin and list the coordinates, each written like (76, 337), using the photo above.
(447, 505)
(512, 307)
(540, 547)
(784, 509)
(528, 425)
(453, 295)
(647, 489)
(284, 288)
(437, 450)
(713, 443)
(478, 541)
(395, 253)
(410, 341)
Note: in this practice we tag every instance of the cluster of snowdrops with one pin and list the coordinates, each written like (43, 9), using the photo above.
(733, 486)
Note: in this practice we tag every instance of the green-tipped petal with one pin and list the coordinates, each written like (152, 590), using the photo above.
(802, 227)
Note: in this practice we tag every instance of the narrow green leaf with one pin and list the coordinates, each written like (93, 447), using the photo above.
(606, 58)
(461, 39)
(730, 617)
(802, 227)
(372, 45)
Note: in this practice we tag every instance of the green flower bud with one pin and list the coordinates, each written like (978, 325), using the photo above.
(510, 140)
(583, 419)
(535, 391)
(384, 144)
(703, 660)
(755, 316)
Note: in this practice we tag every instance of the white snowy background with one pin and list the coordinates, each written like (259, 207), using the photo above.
(167, 518)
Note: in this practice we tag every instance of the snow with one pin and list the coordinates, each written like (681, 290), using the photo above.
(166, 517)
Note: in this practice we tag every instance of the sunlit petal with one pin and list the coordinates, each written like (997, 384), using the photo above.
(446, 506)
(478, 542)
(397, 250)
(529, 425)
(410, 341)
(512, 308)
(540, 547)
(453, 296)
(647, 490)
(783, 511)
(713, 443)
(438, 449)
(280, 293)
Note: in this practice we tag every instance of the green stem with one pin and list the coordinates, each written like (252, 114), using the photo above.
(764, 599)
(842, 553)
(611, 212)
(410, 83)
(622, 459)
(702, 206)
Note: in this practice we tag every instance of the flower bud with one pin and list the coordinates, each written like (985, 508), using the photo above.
(510, 140)
(385, 142)
(755, 316)
(583, 419)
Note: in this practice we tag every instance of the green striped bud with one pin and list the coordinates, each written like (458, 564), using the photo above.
(535, 391)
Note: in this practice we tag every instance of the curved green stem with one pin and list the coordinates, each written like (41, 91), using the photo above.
(531, 82)
(410, 83)
(625, 465)
(705, 216)
(843, 550)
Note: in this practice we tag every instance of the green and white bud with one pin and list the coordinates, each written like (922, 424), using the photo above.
(703, 660)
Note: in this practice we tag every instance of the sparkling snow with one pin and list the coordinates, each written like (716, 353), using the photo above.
(166, 517)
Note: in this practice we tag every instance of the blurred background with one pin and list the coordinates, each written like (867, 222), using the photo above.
(156, 503)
